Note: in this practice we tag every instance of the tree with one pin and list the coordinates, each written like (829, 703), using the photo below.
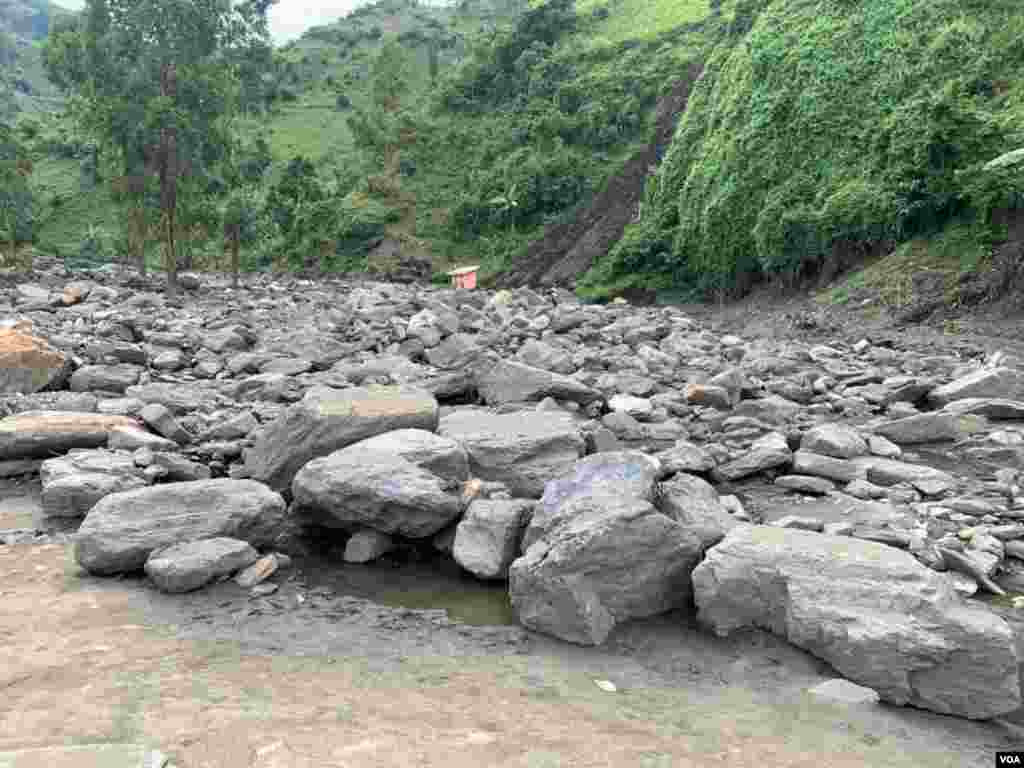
(16, 211)
(157, 81)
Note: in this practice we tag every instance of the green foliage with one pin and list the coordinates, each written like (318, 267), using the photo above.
(17, 213)
(818, 125)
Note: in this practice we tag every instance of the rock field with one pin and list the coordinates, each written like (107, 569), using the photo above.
(861, 499)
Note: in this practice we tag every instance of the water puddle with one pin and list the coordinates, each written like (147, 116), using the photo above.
(436, 583)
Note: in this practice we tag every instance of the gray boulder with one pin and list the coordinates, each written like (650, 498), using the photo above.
(544, 356)
(623, 474)
(179, 398)
(329, 419)
(695, 505)
(440, 455)
(194, 564)
(873, 612)
(927, 480)
(121, 531)
(72, 484)
(836, 440)
(684, 456)
(505, 381)
(523, 450)
(456, 352)
(488, 536)
(355, 487)
(366, 545)
(621, 560)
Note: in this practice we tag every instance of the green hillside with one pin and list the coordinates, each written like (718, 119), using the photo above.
(825, 131)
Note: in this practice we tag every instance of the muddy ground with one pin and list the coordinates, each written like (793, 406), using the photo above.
(318, 675)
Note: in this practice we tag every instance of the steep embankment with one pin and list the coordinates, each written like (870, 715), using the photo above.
(569, 249)
(824, 131)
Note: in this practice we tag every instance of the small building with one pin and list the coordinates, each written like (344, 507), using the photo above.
(464, 277)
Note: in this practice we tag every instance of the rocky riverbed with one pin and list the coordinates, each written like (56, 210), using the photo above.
(858, 498)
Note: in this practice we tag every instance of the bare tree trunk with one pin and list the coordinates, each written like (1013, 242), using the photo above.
(169, 180)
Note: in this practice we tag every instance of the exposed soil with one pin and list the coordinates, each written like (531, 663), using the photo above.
(568, 250)
(316, 675)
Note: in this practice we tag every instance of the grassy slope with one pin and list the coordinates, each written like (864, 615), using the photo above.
(832, 121)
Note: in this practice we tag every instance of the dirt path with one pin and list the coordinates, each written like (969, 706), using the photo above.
(216, 679)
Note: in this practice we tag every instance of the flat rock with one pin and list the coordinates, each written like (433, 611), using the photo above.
(1004, 383)
(488, 536)
(354, 487)
(624, 474)
(887, 472)
(72, 484)
(622, 560)
(179, 398)
(839, 470)
(506, 381)
(523, 450)
(106, 378)
(994, 408)
(930, 428)
(329, 419)
(194, 564)
(122, 529)
(875, 613)
(440, 455)
(816, 486)
(42, 434)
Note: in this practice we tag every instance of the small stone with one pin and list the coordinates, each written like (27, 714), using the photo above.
(264, 589)
(799, 523)
(606, 685)
(258, 572)
(845, 692)
(817, 486)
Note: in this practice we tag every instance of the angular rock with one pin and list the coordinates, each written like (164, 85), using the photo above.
(505, 381)
(816, 486)
(488, 536)
(844, 692)
(709, 395)
(456, 352)
(42, 434)
(544, 356)
(130, 439)
(354, 487)
(523, 450)
(622, 560)
(839, 470)
(766, 452)
(160, 419)
(194, 564)
(684, 456)
(625, 475)
(258, 572)
(28, 363)
(72, 484)
(366, 545)
(996, 409)
(873, 612)
(695, 505)
(121, 531)
(835, 440)
(329, 419)
(1005, 383)
(178, 398)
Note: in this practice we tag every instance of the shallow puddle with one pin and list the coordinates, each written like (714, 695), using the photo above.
(435, 584)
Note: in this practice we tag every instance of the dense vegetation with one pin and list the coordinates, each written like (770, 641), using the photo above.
(824, 129)
(821, 132)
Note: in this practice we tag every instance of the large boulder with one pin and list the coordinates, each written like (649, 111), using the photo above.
(42, 434)
(440, 455)
(836, 440)
(873, 612)
(121, 531)
(356, 487)
(766, 452)
(72, 484)
(487, 538)
(505, 381)
(620, 560)
(523, 450)
(626, 474)
(329, 419)
(1004, 383)
(28, 363)
(194, 564)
